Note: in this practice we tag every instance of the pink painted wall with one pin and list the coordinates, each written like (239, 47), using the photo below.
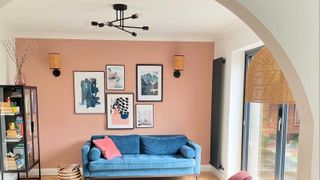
(184, 110)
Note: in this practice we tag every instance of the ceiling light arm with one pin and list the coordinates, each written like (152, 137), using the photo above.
(134, 16)
(132, 33)
(133, 27)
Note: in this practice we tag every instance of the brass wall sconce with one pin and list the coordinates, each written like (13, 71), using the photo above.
(54, 63)
(178, 65)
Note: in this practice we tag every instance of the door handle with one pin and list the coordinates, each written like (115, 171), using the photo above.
(279, 124)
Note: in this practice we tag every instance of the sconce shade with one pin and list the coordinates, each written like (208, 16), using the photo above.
(54, 61)
(178, 62)
(265, 81)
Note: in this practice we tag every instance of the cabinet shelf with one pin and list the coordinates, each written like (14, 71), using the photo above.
(14, 140)
(19, 120)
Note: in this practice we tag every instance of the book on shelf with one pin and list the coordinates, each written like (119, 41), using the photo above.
(16, 95)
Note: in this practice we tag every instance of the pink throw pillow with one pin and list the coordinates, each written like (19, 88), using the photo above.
(107, 148)
(242, 175)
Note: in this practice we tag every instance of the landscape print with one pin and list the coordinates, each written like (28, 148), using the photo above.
(89, 92)
(115, 77)
(149, 83)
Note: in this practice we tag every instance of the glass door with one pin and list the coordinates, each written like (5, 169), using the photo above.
(35, 130)
(28, 119)
(270, 128)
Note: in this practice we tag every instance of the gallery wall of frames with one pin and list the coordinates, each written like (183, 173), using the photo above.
(104, 92)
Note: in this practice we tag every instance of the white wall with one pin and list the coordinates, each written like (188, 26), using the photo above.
(233, 41)
(7, 67)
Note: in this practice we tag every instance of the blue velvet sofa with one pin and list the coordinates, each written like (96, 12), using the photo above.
(143, 156)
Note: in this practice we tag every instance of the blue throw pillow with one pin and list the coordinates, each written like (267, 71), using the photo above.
(94, 154)
(187, 152)
(162, 145)
(129, 144)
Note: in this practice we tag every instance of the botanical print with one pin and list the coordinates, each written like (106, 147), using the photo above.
(149, 82)
(89, 95)
(144, 115)
(120, 111)
(115, 77)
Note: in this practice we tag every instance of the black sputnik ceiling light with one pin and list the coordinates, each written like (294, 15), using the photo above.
(119, 22)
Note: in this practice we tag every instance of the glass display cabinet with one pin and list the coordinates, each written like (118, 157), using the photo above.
(19, 132)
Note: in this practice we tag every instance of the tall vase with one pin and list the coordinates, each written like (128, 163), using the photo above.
(19, 80)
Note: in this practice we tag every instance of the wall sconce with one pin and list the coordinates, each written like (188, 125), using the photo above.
(178, 65)
(54, 63)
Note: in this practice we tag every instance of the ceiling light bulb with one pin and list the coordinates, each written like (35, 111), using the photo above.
(94, 23)
(134, 34)
(134, 16)
(146, 28)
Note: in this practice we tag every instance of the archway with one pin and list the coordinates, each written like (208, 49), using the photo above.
(308, 126)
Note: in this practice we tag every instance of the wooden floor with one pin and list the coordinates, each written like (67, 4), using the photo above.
(203, 176)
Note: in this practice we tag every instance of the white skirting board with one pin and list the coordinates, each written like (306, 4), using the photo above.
(214, 171)
(204, 168)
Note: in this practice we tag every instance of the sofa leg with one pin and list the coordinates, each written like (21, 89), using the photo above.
(197, 177)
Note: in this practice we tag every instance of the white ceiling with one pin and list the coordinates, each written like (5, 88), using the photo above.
(185, 20)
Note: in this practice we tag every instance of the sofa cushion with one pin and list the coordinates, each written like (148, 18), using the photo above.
(94, 154)
(107, 148)
(187, 152)
(141, 161)
(161, 145)
(128, 144)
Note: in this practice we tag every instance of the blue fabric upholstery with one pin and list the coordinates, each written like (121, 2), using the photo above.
(187, 152)
(85, 158)
(94, 154)
(162, 145)
(141, 161)
(128, 144)
(197, 149)
(143, 173)
(143, 165)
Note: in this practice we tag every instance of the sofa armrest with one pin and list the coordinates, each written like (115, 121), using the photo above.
(197, 149)
(85, 158)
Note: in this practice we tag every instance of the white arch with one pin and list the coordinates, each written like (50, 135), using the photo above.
(308, 159)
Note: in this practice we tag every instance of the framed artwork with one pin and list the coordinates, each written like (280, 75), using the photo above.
(115, 77)
(89, 92)
(149, 82)
(144, 116)
(119, 110)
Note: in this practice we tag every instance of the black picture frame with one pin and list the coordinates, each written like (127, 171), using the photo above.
(148, 98)
(102, 97)
(107, 80)
(136, 115)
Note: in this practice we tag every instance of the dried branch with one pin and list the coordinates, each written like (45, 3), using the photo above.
(28, 50)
